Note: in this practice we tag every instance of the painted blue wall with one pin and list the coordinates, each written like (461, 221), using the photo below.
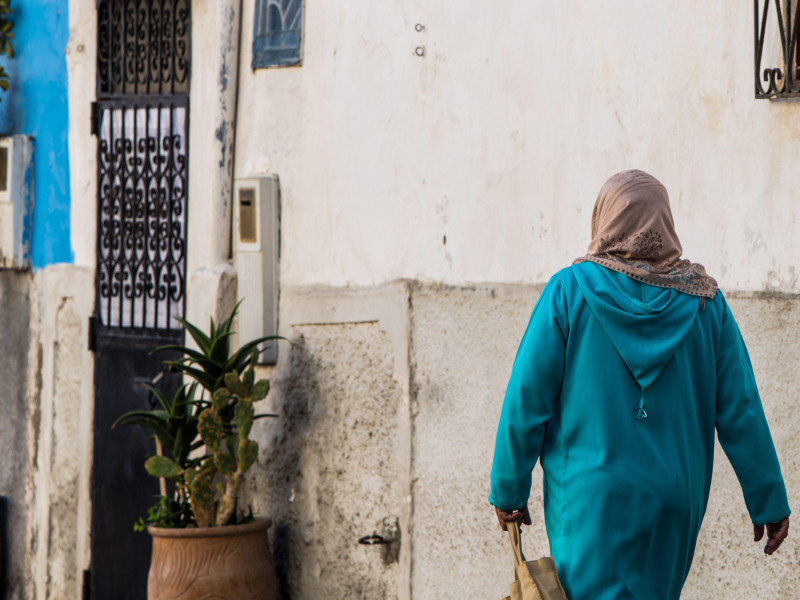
(36, 105)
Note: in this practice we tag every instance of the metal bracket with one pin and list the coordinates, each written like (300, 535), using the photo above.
(95, 119)
(92, 341)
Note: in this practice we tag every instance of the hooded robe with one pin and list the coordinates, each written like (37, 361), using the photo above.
(624, 497)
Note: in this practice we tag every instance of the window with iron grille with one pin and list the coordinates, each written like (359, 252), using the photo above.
(141, 122)
(777, 53)
(276, 33)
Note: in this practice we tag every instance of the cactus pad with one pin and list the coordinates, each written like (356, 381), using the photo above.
(161, 466)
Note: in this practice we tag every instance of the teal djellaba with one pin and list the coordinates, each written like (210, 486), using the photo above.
(631, 361)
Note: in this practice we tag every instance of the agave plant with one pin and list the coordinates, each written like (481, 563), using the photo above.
(218, 422)
(175, 427)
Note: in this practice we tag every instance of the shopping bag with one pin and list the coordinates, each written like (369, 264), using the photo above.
(534, 579)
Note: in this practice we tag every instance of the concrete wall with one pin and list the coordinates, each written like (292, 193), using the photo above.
(17, 428)
(480, 161)
(353, 445)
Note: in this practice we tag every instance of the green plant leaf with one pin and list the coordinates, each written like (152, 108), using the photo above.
(159, 416)
(260, 390)
(225, 463)
(204, 379)
(243, 417)
(202, 340)
(203, 498)
(165, 402)
(189, 476)
(220, 347)
(234, 384)
(248, 452)
(211, 429)
(161, 466)
(248, 378)
(238, 359)
(221, 398)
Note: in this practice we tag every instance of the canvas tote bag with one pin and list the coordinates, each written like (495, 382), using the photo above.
(534, 579)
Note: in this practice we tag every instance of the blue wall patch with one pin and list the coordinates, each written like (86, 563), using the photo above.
(37, 105)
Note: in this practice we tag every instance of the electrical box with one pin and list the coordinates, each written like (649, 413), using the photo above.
(16, 202)
(256, 234)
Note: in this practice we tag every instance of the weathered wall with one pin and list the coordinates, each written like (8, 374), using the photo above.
(394, 393)
(481, 160)
(60, 503)
(333, 467)
(16, 429)
(463, 342)
(477, 162)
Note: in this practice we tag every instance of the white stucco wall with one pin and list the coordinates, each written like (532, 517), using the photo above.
(501, 135)
(477, 162)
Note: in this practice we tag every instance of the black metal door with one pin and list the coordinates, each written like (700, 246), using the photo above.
(141, 121)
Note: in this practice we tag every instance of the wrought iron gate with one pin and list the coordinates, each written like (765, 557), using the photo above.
(141, 119)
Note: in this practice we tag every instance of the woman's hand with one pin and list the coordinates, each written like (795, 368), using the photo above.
(776, 533)
(513, 516)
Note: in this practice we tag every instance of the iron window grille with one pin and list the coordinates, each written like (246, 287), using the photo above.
(141, 122)
(777, 53)
(277, 26)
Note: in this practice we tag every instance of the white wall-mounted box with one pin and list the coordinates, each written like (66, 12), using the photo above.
(16, 201)
(256, 235)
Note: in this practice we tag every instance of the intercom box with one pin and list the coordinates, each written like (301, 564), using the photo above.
(256, 234)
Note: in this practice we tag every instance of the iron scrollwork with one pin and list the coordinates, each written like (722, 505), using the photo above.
(143, 51)
(777, 56)
(141, 249)
(143, 47)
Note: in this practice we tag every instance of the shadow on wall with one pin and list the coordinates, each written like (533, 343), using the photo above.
(285, 455)
(329, 468)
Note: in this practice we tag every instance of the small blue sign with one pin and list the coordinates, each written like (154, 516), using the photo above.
(276, 33)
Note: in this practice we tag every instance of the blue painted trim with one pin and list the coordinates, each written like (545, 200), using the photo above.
(37, 105)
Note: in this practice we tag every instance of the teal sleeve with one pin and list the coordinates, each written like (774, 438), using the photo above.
(531, 395)
(743, 431)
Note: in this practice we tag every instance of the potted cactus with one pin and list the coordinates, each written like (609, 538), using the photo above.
(204, 545)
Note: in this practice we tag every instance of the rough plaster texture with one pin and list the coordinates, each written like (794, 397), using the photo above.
(463, 342)
(15, 448)
(62, 560)
(213, 294)
(214, 81)
(81, 57)
(59, 535)
(480, 160)
(329, 465)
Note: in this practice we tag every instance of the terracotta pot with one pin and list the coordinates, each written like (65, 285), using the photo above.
(212, 563)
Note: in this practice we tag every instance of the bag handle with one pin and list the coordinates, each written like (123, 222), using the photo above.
(522, 571)
(515, 535)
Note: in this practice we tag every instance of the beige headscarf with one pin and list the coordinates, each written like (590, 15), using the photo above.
(633, 233)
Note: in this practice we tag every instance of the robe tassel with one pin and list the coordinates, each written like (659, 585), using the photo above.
(639, 412)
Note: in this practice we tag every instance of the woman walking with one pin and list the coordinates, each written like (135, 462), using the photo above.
(630, 362)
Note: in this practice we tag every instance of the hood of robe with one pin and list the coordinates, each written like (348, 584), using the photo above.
(646, 324)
